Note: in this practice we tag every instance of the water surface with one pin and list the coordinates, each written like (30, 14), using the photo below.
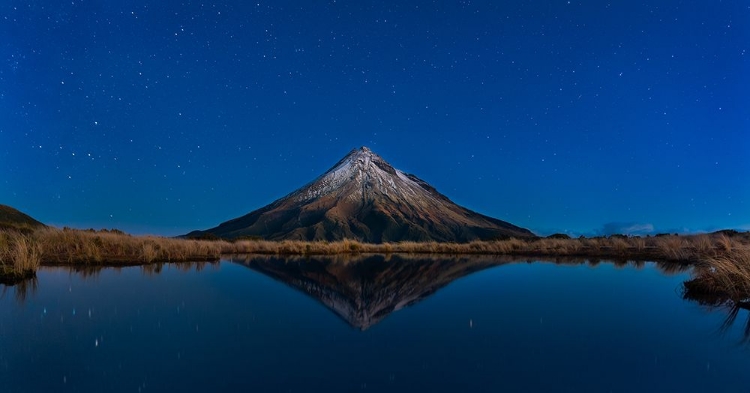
(375, 324)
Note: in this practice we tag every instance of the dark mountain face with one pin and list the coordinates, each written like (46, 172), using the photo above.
(365, 290)
(11, 218)
(365, 198)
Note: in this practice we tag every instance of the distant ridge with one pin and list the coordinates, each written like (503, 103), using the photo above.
(363, 197)
(11, 218)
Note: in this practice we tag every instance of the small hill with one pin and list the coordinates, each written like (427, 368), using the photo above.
(363, 197)
(11, 218)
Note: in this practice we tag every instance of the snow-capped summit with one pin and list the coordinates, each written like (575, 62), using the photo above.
(363, 197)
(362, 175)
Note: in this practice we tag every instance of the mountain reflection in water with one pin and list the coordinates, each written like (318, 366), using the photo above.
(364, 289)
(492, 325)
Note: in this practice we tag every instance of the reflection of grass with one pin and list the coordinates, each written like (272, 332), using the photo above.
(722, 279)
(712, 288)
(734, 311)
(23, 289)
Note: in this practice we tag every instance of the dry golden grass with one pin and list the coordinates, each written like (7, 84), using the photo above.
(674, 247)
(54, 246)
(639, 244)
(20, 256)
(724, 243)
(75, 247)
(723, 277)
(703, 243)
(723, 259)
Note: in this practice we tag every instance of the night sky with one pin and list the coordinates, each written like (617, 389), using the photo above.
(583, 117)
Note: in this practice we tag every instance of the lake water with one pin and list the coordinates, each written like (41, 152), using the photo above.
(375, 324)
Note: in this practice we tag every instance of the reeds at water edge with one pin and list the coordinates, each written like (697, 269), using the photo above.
(722, 260)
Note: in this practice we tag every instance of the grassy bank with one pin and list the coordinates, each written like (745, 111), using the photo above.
(722, 259)
(20, 256)
(721, 278)
(21, 253)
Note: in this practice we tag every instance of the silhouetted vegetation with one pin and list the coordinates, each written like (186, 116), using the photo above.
(206, 236)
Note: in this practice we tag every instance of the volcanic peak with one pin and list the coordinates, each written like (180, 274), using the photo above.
(363, 197)
(361, 175)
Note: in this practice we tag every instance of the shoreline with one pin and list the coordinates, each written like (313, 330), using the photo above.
(721, 259)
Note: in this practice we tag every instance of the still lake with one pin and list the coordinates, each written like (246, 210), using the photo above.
(374, 324)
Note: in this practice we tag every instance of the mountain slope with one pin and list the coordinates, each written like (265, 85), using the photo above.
(14, 219)
(363, 197)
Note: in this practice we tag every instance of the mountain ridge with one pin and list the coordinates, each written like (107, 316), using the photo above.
(365, 198)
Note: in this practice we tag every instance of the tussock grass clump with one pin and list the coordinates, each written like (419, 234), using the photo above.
(20, 256)
(724, 243)
(721, 278)
(673, 247)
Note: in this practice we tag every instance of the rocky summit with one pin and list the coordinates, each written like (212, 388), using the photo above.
(364, 198)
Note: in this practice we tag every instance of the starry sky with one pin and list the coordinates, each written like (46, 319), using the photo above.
(583, 117)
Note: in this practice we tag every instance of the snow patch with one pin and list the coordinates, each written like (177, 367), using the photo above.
(357, 176)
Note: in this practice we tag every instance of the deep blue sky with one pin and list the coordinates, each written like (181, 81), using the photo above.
(163, 116)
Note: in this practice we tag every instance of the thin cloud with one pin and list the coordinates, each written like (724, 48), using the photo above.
(627, 228)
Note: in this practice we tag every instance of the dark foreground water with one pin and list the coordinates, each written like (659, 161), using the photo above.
(374, 325)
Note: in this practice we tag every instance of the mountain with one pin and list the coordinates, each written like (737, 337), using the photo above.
(365, 198)
(11, 218)
(365, 290)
